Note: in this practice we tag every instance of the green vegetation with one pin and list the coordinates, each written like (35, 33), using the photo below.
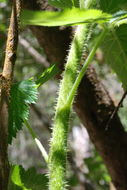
(98, 25)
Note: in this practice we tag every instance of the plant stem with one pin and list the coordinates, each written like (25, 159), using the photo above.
(58, 150)
(58, 147)
(84, 68)
(36, 140)
(30, 129)
(6, 79)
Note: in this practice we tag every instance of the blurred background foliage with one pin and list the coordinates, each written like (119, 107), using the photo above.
(86, 170)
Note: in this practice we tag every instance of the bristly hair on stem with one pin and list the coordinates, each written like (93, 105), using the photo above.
(58, 145)
(68, 87)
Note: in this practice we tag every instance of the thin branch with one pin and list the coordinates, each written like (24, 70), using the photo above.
(42, 117)
(37, 141)
(33, 52)
(84, 68)
(5, 84)
(116, 110)
(12, 41)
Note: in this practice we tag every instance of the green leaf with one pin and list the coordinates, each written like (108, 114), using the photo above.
(21, 95)
(47, 74)
(27, 180)
(2, 1)
(64, 3)
(66, 17)
(115, 52)
(16, 176)
(113, 5)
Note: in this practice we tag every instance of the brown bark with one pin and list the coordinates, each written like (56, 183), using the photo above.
(4, 165)
(5, 83)
(93, 105)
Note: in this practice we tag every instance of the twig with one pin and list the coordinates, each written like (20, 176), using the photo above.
(6, 79)
(33, 52)
(42, 117)
(115, 110)
(12, 41)
(37, 141)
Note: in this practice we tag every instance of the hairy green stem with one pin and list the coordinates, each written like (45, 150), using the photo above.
(58, 150)
(36, 140)
(85, 66)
